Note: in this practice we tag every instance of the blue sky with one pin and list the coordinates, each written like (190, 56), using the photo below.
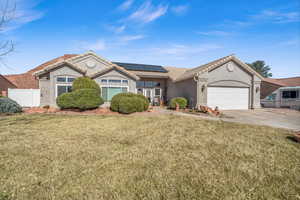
(178, 33)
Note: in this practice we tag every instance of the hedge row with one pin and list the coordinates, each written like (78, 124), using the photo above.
(129, 103)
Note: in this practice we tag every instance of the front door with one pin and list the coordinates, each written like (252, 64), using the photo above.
(148, 93)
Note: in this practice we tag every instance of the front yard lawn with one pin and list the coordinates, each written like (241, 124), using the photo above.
(144, 157)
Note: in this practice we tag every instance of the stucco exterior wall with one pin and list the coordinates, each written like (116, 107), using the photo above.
(233, 76)
(48, 84)
(82, 64)
(186, 89)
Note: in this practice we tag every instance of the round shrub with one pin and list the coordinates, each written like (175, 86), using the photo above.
(130, 103)
(181, 101)
(127, 105)
(86, 99)
(115, 101)
(9, 106)
(85, 83)
(83, 99)
(66, 101)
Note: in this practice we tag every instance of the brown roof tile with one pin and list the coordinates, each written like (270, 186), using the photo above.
(290, 82)
(27, 80)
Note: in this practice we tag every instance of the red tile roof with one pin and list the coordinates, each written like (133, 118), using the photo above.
(284, 82)
(27, 80)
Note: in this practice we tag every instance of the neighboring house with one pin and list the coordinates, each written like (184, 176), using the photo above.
(227, 82)
(5, 84)
(281, 93)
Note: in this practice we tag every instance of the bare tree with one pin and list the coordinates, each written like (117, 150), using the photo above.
(7, 11)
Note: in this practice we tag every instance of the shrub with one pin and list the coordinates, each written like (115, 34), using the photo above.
(66, 101)
(85, 83)
(83, 99)
(181, 101)
(86, 99)
(129, 103)
(9, 106)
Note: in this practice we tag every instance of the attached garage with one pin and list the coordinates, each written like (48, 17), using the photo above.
(228, 98)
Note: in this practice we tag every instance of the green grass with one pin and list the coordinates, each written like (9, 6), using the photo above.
(144, 157)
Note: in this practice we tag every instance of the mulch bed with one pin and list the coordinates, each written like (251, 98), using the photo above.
(98, 111)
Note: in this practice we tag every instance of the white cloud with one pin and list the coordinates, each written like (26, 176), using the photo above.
(117, 29)
(215, 33)
(98, 45)
(129, 38)
(278, 17)
(147, 12)
(126, 5)
(21, 14)
(292, 42)
(180, 10)
(184, 50)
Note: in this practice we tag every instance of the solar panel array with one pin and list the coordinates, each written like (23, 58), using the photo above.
(141, 67)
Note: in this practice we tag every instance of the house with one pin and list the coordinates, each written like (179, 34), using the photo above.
(281, 93)
(227, 82)
(4, 85)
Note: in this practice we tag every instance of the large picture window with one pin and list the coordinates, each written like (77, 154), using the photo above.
(107, 93)
(291, 94)
(63, 89)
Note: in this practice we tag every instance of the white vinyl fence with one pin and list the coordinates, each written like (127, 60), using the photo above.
(25, 97)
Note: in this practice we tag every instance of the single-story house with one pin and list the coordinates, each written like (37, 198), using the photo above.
(5, 84)
(227, 82)
(281, 93)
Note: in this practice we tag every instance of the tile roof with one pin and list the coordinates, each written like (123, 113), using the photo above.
(27, 80)
(284, 82)
(290, 82)
(23, 81)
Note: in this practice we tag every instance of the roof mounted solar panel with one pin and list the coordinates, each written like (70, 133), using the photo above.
(141, 67)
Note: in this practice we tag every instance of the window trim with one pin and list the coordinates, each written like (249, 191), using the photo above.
(67, 78)
(112, 86)
(284, 98)
(60, 84)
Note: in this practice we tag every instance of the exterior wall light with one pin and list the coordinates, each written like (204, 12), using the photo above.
(257, 89)
(203, 88)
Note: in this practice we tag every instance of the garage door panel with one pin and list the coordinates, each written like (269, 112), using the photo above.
(226, 98)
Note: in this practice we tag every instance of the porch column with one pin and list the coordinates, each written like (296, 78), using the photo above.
(202, 82)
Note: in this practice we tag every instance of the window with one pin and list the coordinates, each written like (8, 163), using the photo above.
(114, 81)
(61, 79)
(65, 79)
(140, 84)
(107, 93)
(125, 82)
(70, 79)
(157, 92)
(293, 94)
(148, 84)
(104, 81)
(61, 89)
(271, 97)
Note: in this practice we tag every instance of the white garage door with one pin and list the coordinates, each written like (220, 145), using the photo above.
(227, 98)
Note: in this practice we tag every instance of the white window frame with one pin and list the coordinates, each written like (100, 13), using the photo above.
(61, 84)
(67, 77)
(108, 85)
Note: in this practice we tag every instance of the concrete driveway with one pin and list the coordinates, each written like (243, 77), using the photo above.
(280, 118)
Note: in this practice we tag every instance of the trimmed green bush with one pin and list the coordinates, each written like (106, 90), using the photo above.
(130, 103)
(66, 101)
(9, 106)
(83, 99)
(181, 101)
(85, 83)
(127, 105)
(86, 99)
